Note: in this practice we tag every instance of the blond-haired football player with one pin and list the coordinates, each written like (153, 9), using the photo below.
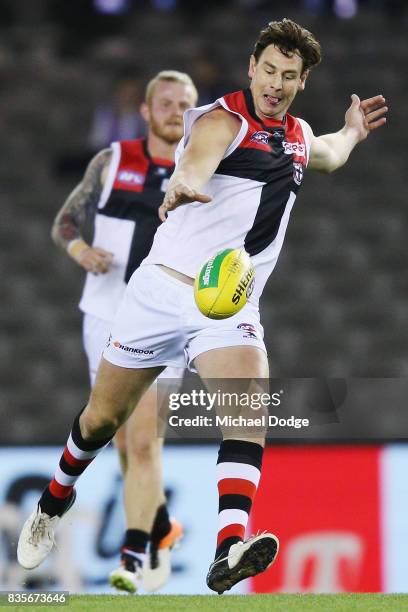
(122, 190)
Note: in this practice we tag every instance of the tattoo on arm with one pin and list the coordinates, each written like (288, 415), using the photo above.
(81, 202)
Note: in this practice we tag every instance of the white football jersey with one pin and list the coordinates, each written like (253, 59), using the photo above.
(126, 219)
(253, 191)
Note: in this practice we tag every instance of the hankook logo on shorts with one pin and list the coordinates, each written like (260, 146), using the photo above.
(130, 349)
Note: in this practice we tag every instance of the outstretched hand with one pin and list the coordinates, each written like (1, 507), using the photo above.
(364, 116)
(178, 195)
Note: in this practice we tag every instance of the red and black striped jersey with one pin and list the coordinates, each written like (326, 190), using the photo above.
(253, 191)
(126, 219)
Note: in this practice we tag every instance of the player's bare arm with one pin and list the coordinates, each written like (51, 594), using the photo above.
(210, 137)
(330, 151)
(66, 230)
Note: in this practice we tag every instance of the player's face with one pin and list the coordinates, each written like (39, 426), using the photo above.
(275, 81)
(165, 112)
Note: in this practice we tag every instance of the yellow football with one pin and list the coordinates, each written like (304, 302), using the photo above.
(224, 284)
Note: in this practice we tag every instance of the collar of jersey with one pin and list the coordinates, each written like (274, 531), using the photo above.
(268, 123)
(156, 160)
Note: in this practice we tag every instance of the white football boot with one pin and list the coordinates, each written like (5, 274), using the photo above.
(157, 563)
(243, 560)
(37, 536)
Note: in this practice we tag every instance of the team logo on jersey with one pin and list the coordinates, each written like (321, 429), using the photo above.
(261, 137)
(248, 329)
(294, 148)
(131, 349)
(131, 177)
(297, 173)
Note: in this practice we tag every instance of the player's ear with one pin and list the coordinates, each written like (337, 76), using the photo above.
(252, 66)
(145, 111)
(303, 77)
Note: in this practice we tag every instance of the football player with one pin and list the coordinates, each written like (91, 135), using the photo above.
(240, 166)
(120, 192)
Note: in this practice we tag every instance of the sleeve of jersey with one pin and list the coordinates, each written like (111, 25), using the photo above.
(190, 117)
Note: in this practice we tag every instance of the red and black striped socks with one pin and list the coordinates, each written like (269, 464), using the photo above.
(238, 473)
(77, 455)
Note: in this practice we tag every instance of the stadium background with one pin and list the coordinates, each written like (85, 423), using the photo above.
(335, 307)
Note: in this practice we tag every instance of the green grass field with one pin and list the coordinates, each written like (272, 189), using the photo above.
(257, 603)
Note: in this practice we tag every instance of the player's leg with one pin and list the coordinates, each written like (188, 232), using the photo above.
(167, 531)
(238, 472)
(146, 511)
(116, 391)
(143, 491)
(143, 339)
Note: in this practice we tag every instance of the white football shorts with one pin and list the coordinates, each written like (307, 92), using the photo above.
(96, 333)
(158, 323)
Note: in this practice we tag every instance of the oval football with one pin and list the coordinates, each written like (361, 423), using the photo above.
(224, 283)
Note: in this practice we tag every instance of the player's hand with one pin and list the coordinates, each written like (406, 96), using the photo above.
(178, 195)
(92, 259)
(364, 116)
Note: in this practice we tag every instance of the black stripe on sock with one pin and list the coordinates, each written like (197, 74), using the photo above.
(239, 451)
(136, 540)
(235, 502)
(52, 505)
(69, 469)
(86, 445)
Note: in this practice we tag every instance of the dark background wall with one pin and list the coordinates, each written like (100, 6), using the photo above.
(336, 304)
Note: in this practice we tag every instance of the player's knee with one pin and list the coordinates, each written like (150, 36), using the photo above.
(98, 425)
(143, 448)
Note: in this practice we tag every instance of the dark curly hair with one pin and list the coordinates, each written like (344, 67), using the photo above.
(289, 37)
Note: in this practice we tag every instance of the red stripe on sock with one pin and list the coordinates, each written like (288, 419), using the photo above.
(236, 486)
(59, 490)
(231, 530)
(75, 462)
